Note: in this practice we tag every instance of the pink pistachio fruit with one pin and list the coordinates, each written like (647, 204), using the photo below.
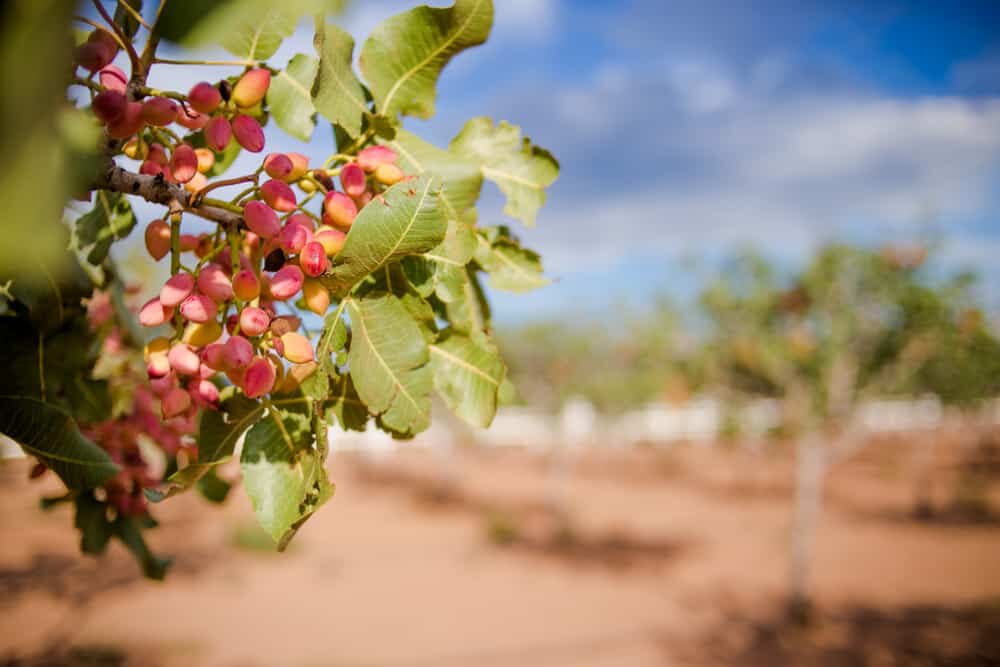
(198, 308)
(259, 377)
(251, 88)
(254, 321)
(176, 289)
(278, 195)
(370, 158)
(204, 97)
(261, 219)
(214, 282)
(248, 133)
(184, 359)
(218, 133)
(246, 287)
(353, 179)
(286, 282)
(153, 313)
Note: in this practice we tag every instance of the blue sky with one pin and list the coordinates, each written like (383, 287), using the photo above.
(690, 128)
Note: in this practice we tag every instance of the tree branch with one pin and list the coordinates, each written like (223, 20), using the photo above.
(156, 190)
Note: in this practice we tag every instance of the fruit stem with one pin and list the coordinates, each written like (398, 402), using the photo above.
(218, 203)
(175, 262)
(180, 97)
(249, 178)
(236, 200)
(234, 248)
(337, 157)
(234, 63)
(87, 83)
(175, 243)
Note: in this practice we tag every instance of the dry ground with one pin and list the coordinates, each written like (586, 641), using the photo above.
(656, 558)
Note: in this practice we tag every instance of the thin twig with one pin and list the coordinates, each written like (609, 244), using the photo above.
(123, 39)
(234, 63)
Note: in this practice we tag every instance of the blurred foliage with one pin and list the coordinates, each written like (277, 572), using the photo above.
(617, 365)
(48, 147)
(853, 324)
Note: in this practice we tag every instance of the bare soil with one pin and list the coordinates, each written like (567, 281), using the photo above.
(644, 557)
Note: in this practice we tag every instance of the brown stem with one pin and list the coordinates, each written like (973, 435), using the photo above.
(250, 178)
(158, 191)
(123, 39)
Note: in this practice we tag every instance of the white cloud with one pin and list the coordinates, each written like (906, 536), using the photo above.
(736, 162)
(528, 18)
(702, 87)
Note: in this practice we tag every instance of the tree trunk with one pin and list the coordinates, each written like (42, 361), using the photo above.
(923, 478)
(809, 478)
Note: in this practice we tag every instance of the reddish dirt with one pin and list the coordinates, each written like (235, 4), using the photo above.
(651, 558)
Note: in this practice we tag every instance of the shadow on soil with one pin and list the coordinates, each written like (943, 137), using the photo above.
(912, 636)
(534, 528)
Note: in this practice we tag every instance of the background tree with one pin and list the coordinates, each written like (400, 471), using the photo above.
(303, 290)
(853, 325)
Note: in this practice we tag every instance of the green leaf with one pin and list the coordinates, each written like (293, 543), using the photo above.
(404, 56)
(389, 359)
(460, 177)
(408, 221)
(338, 94)
(213, 488)
(110, 220)
(251, 29)
(92, 522)
(257, 37)
(55, 367)
(345, 404)
(508, 394)
(289, 97)
(129, 531)
(331, 340)
(50, 434)
(468, 374)
(521, 170)
(218, 432)
(467, 310)
(441, 269)
(510, 267)
(283, 474)
(124, 19)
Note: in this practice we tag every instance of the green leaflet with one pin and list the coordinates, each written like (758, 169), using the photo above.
(111, 219)
(346, 406)
(50, 434)
(404, 56)
(338, 94)
(468, 373)
(218, 432)
(388, 359)
(256, 35)
(283, 474)
(409, 221)
(510, 267)
(467, 310)
(460, 177)
(250, 29)
(520, 169)
(331, 341)
(290, 97)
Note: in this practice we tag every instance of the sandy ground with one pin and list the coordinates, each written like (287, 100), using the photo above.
(655, 559)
